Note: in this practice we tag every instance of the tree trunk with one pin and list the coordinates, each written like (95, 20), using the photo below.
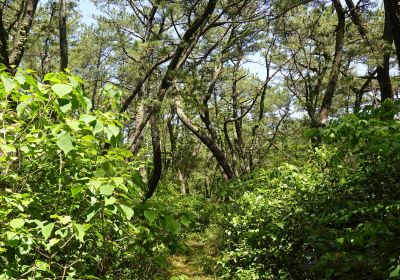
(157, 157)
(177, 60)
(394, 18)
(385, 83)
(383, 76)
(62, 25)
(337, 59)
(3, 43)
(217, 153)
(21, 34)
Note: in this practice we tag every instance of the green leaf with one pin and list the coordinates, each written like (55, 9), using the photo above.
(279, 225)
(65, 219)
(64, 142)
(74, 124)
(340, 240)
(111, 131)
(98, 127)
(127, 211)
(118, 180)
(46, 230)
(80, 230)
(150, 215)
(90, 215)
(75, 190)
(53, 242)
(109, 201)
(8, 83)
(61, 89)
(17, 223)
(21, 107)
(65, 105)
(87, 119)
(172, 225)
(106, 189)
(396, 272)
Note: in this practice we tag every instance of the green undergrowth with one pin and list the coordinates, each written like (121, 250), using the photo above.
(334, 217)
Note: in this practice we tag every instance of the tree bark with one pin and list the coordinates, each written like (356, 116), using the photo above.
(21, 34)
(384, 81)
(4, 59)
(337, 59)
(62, 25)
(157, 157)
(394, 18)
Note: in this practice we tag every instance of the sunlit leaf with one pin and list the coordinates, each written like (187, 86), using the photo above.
(127, 211)
(17, 223)
(61, 89)
(64, 142)
(46, 230)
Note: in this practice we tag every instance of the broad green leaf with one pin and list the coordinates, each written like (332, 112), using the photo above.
(150, 215)
(41, 265)
(75, 190)
(279, 225)
(90, 215)
(64, 142)
(74, 124)
(61, 89)
(65, 105)
(87, 119)
(20, 78)
(106, 189)
(12, 235)
(8, 83)
(118, 180)
(114, 130)
(80, 230)
(65, 219)
(109, 200)
(127, 211)
(100, 172)
(21, 107)
(98, 127)
(53, 242)
(17, 223)
(111, 131)
(46, 230)
(396, 272)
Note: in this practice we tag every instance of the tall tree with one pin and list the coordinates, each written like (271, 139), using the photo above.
(16, 19)
(62, 24)
(336, 64)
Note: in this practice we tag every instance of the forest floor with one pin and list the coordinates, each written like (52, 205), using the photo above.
(199, 259)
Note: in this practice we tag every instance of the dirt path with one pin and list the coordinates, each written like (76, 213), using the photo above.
(196, 263)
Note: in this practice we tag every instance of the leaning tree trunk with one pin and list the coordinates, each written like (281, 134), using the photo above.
(21, 34)
(337, 60)
(214, 149)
